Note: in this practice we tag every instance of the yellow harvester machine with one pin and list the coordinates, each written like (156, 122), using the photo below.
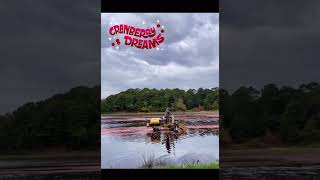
(166, 123)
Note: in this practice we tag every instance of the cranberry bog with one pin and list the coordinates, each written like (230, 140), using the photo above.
(126, 141)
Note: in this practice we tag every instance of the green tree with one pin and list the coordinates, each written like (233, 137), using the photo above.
(179, 105)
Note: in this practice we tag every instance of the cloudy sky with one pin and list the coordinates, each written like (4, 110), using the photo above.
(47, 47)
(271, 41)
(190, 56)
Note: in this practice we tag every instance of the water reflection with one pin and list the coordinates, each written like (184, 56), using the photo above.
(124, 143)
(122, 152)
(168, 139)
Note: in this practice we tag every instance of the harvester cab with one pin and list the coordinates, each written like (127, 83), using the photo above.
(168, 117)
(167, 121)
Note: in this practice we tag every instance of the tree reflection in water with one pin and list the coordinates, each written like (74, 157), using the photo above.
(170, 138)
(166, 138)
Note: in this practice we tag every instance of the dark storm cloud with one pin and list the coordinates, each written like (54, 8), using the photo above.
(47, 47)
(269, 42)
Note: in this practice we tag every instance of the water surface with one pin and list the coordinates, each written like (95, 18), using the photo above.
(126, 141)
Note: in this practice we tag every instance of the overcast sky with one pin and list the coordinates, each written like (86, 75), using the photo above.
(190, 56)
(270, 41)
(47, 47)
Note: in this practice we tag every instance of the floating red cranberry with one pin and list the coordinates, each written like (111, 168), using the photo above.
(113, 44)
(158, 25)
(162, 31)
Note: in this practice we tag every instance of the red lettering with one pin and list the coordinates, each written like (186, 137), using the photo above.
(127, 40)
(137, 33)
(111, 31)
(126, 29)
(116, 29)
(145, 44)
(132, 29)
(121, 28)
(152, 32)
(135, 42)
(160, 38)
(140, 43)
(143, 33)
(153, 43)
(147, 32)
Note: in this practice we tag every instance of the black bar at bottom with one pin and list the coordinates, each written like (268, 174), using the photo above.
(117, 174)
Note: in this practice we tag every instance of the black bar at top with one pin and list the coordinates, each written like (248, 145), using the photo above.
(159, 5)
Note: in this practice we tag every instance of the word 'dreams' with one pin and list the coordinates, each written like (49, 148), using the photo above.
(142, 43)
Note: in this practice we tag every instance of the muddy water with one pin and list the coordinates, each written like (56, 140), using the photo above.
(125, 141)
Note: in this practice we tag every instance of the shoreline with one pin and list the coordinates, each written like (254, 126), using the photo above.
(214, 114)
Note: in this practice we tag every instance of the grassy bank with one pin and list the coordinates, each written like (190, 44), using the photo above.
(213, 165)
(163, 165)
(150, 162)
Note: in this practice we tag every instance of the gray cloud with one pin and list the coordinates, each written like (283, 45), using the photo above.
(47, 47)
(269, 42)
(190, 58)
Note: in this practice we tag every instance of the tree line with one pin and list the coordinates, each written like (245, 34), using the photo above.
(72, 120)
(283, 115)
(64, 121)
(156, 100)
